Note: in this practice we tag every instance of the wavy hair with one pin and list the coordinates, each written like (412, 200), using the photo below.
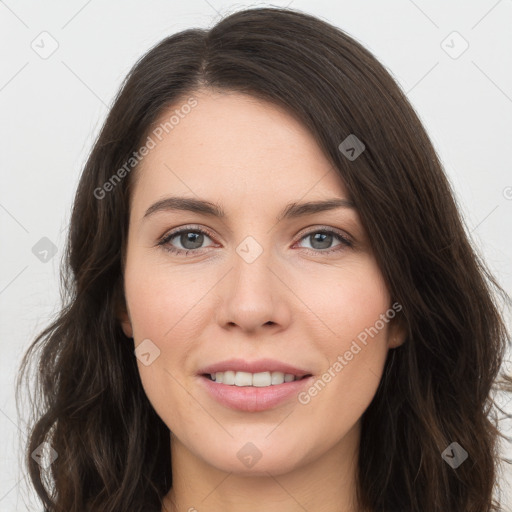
(113, 451)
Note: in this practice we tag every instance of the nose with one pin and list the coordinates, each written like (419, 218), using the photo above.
(253, 296)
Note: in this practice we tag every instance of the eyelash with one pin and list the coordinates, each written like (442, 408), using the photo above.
(164, 241)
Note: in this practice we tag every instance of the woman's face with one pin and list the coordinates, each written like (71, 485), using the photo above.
(257, 284)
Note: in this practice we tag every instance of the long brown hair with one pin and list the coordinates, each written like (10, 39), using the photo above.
(437, 388)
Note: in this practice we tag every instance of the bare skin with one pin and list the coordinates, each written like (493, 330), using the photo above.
(295, 302)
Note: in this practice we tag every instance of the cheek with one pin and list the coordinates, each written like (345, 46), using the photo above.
(165, 308)
(345, 301)
(354, 342)
(168, 307)
(163, 300)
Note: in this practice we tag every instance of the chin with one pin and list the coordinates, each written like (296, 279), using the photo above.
(250, 458)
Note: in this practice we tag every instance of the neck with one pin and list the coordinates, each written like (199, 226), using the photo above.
(324, 483)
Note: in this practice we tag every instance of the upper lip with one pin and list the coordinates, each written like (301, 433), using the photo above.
(261, 365)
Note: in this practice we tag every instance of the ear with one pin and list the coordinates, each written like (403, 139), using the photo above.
(122, 314)
(126, 324)
(397, 332)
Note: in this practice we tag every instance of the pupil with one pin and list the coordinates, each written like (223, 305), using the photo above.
(196, 240)
(325, 240)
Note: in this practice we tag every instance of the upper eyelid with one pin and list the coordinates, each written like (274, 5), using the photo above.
(173, 232)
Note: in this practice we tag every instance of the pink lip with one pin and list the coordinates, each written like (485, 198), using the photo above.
(261, 365)
(253, 399)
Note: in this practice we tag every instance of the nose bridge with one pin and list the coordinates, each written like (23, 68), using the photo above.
(252, 264)
(252, 296)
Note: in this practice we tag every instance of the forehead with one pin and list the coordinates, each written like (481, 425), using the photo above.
(235, 149)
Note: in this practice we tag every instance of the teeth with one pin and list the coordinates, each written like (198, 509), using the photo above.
(260, 380)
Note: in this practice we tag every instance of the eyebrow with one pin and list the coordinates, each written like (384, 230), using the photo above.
(291, 210)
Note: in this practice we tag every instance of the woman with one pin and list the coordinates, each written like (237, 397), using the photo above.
(272, 303)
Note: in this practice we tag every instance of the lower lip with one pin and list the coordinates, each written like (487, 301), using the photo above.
(253, 399)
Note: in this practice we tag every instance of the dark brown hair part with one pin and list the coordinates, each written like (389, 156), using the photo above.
(113, 449)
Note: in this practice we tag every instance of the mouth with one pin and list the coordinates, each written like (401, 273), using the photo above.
(246, 379)
(246, 392)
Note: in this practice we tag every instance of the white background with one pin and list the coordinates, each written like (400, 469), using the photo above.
(52, 109)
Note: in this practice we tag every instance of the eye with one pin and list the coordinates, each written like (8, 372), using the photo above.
(321, 239)
(192, 239)
(189, 239)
